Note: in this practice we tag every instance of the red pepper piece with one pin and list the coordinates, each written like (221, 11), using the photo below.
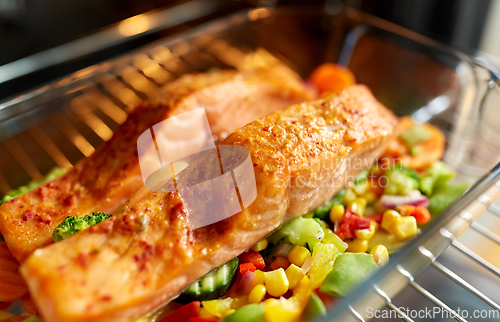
(361, 223)
(203, 320)
(247, 267)
(376, 218)
(421, 214)
(253, 257)
(184, 313)
(345, 231)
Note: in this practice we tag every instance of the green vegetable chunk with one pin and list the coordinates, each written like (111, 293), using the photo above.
(213, 285)
(323, 211)
(33, 318)
(401, 180)
(314, 308)
(72, 225)
(332, 238)
(349, 270)
(438, 173)
(444, 195)
(54, 173)
(248, 313)
(299, 231)
(415, 135)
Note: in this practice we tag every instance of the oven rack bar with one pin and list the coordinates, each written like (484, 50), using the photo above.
(433, 261)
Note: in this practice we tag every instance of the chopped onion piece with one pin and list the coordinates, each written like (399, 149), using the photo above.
(246, 280)
(283, 250)
(308, 263)
(390, 201)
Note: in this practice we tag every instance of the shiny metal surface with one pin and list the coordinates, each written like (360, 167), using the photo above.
(126, 30)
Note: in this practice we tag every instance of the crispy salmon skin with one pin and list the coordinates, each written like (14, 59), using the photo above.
(145, 255)
(104, 181)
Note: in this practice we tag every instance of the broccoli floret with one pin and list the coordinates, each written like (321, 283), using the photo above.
(72, 225)
(322, 211)
(401, 180)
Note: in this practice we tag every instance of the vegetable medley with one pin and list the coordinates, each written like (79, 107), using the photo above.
(298, 271)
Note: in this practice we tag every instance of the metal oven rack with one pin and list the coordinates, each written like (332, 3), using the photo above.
(485, 201)
(62, 122)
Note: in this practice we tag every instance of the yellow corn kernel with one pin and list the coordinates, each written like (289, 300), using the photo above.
(361, 201)
(298, 255)
(260, 245)
(228, 313)
(380, 255)
(349, 196)
(356, 207)
(204, 313)
(337, 213)
(257, 294)
(294, 274)
(370, 196)
(368, 233)
(281, 310)
(218, 307)
(388, 219)
(405, 227)
(361, 187)
(357, 246)
(277, 282)
(258, 279)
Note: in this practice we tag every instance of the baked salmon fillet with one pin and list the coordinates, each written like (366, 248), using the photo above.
(104, 181)
(140, 258)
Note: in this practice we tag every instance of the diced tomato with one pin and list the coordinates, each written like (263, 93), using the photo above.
(203, 320)
(331, 77)
(361, 223)
(376, 218)
(406, 210)
(253, 257)
(350, 223)
(422, 215)
(345, 231)
(246, 267)
(375, 186)
(184, 313)
(348, 215)
(280, 262)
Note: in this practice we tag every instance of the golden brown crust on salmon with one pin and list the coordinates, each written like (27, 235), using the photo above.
(105, 180)
(145, 255)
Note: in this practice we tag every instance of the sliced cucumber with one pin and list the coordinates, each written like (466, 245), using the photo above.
(213, 285)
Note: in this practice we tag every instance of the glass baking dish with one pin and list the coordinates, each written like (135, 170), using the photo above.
(66, 120)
